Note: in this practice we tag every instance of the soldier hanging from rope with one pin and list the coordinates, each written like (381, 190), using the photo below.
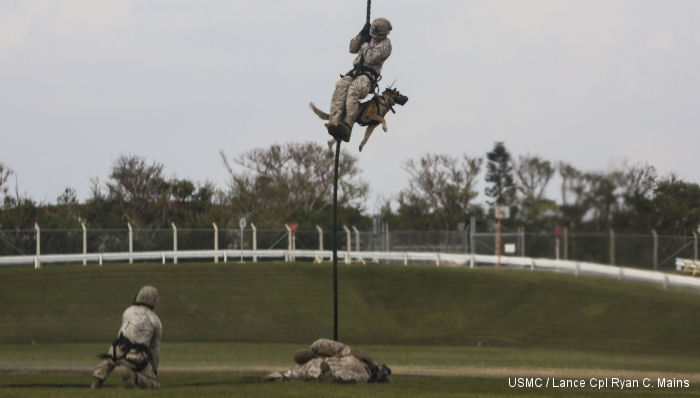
(372, 47)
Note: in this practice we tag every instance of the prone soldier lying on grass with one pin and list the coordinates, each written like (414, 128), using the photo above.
(332, 361)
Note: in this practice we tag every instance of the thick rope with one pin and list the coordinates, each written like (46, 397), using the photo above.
(369, 5)
(335, 241)
(335, 223)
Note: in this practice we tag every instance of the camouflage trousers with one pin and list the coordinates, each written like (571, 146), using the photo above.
(345, 103)
(346, 369)
(145, 378)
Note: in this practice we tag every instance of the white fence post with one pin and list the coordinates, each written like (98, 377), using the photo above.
(472, 242)
(320, 237)
(655, 250)
(357, 238)
(319, 259)
(348, 243)
(566, 243)
(388, 237)
(131, 243)
(37, 262)
(357, 244)
(82, 224)
(612, 247)
(289, 242)
(695, 246)
(241, 224)
(174, 242)
(255, 242)
(216, 241)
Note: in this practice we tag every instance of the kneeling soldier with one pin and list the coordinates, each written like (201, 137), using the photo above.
(137, 346)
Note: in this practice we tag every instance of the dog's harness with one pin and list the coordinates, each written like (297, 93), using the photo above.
(376, 103)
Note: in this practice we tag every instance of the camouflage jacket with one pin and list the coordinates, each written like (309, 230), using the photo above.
(141, 325)
(370, 54)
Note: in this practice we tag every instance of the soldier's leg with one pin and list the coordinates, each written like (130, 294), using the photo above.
(101, 373)
(307, 371)
(147, 378)
(359, 88)
(329, 348)
(362, 356)
(349, 370)
(338, 100)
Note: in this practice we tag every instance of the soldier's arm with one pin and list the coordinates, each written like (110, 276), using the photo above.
(362, 37)
(378, 53)
(155, 345)
(355, 44)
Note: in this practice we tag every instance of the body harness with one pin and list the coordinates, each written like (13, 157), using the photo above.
(371, 74)
(125, 345)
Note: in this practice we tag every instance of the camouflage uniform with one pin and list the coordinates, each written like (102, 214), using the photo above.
(353, 87)
(330, 361)
(137, 347)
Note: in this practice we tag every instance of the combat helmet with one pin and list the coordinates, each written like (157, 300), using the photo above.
(147, 296)
(380, 28)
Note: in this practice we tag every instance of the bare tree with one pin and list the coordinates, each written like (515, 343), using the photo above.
(638, 180)
(140, 189)
(279, 180)
(572, 182)
(532, 176)
(442, 186)
(5, 173)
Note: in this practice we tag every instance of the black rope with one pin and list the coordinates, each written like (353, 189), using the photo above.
(369, 5)
(335, 241)
(335, 224)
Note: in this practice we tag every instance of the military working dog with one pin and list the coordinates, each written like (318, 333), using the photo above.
(371, 113)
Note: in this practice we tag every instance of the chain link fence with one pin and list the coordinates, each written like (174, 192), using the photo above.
(633, 250)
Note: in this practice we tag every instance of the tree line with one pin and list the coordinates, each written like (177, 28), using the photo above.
(293, 182)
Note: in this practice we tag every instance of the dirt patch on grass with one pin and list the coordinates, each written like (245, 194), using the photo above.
(410, 370)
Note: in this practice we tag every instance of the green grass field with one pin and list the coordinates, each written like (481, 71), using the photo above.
(445, 331)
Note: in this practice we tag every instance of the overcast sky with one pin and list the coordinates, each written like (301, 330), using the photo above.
(591, 82)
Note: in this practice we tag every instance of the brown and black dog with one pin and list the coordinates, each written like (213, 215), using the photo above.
(371, 112)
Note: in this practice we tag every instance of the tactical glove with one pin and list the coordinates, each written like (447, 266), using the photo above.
(365, 33)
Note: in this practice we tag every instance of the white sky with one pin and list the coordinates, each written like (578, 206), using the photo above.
(590, 82)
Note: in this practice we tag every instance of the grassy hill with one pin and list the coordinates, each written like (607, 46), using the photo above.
(379, 304)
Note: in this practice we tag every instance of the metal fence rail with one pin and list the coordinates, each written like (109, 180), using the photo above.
(645, 251)
(364, 257)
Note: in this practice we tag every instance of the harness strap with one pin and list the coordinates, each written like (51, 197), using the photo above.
(376, 100)
(128, 345)
(371, 74)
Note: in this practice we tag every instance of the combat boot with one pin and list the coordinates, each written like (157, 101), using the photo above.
(335, 130)
(346, 131)
(96, 383)
(339, 131)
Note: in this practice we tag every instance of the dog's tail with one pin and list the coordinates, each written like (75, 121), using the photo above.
(323, 115)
